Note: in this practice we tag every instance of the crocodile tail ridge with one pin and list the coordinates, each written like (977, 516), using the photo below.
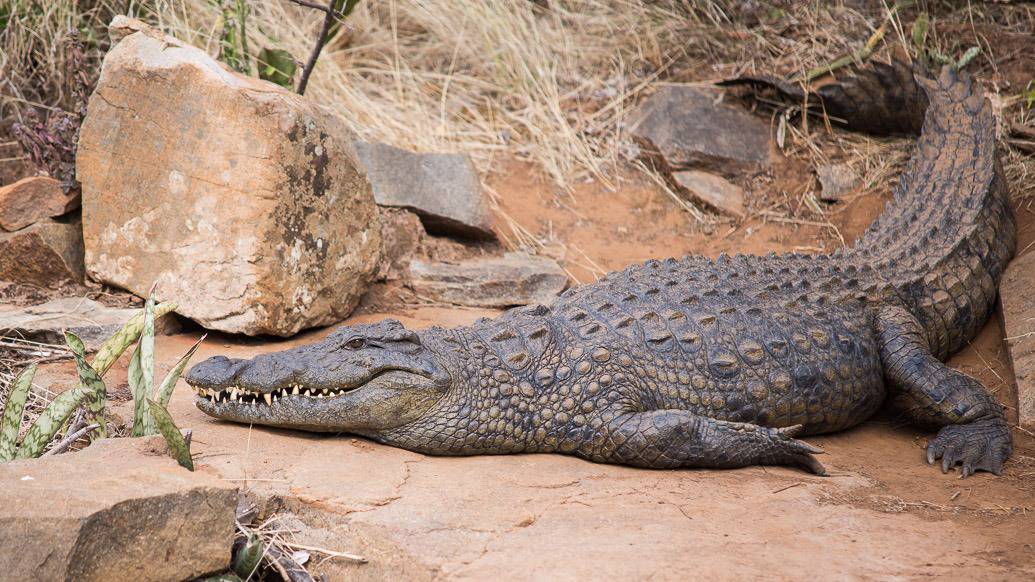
(944, 240)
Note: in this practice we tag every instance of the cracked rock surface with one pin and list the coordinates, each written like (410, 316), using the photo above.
(244, 201)
(99, 514)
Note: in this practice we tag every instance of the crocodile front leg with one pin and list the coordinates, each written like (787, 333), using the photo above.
(974, 431)
(667, 439)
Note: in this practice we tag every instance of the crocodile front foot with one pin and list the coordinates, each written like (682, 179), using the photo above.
(982, 445)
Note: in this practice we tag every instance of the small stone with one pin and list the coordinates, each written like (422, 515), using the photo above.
(1018, 305)
(404, 236)
(93, 322)
(714, 190)
(689, 127)
(443, 189)
(514, 279)
(44, 254)
(119, 510)
(836, 181)
(31, 200)
(244, 201)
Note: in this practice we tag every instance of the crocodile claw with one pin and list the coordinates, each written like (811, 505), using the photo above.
(800, 453)
(982, 445)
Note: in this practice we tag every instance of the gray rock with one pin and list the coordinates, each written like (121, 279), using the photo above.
(714, 190)
(33, 199)
(244, 201)
(514, 279)
(443, 189)
(688, 127)
(1018, 304)
(118, 510)
(93, 322)
(44, 254)
(836, 180)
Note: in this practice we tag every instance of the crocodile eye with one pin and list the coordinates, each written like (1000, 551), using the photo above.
(355, 343)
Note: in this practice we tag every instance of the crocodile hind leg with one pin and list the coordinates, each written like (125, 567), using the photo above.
(973, 431)
(667, 439)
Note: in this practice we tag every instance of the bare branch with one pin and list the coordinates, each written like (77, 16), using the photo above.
(328, 20)
(68, 440)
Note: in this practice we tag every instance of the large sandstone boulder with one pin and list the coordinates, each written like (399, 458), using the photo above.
(119, 510)
(245, 202)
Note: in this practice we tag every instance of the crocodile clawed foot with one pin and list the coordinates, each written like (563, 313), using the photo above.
(982, 445)
(799, 453)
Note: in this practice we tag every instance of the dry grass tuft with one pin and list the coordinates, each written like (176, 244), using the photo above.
(479, 76)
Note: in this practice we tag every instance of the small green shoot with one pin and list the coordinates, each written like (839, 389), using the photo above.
(246, 560)
(112, 349)
(277, 66)
(12, 414)
(177, 445)
(46, 426)
(91, 382)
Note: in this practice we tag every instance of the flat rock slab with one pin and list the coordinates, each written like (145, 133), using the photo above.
(245, 202)
(93, 322)
(118, 510)
(689, 127)
(1017, 292)
(44, 254)
(33, 199)
(514, 279)
(836, 181)
(714, 190)
(443, 189)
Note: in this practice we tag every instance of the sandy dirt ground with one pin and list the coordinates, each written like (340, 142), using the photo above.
(881, 514)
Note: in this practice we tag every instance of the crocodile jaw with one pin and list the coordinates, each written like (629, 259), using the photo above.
(388, 400)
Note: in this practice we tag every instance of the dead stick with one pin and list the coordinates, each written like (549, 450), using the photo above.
(68, 440)
(328, 20)
(286, 566)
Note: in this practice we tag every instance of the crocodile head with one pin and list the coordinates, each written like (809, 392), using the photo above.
(362, 379)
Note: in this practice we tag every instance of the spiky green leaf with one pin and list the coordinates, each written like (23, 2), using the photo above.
(968, 56)
(47, 424)
(919, 31)
(166, 389)
(143, 424)
(91, 381)
(125, 337)
(246, 560)
(75, 344)
(147, 346)
(177, 446)
(12, 414)
(277, 66)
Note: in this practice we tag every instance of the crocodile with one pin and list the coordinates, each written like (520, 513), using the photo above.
(695, 362)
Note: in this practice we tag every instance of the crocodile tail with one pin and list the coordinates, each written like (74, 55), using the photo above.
(941, 245)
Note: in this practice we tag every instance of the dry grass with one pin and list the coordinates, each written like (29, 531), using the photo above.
(549, 82)
(479, 76)
(32, 59)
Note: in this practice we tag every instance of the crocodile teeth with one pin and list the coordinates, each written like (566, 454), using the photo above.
(307, 392)
(268, 398)
(294, 391)
(235, 394)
